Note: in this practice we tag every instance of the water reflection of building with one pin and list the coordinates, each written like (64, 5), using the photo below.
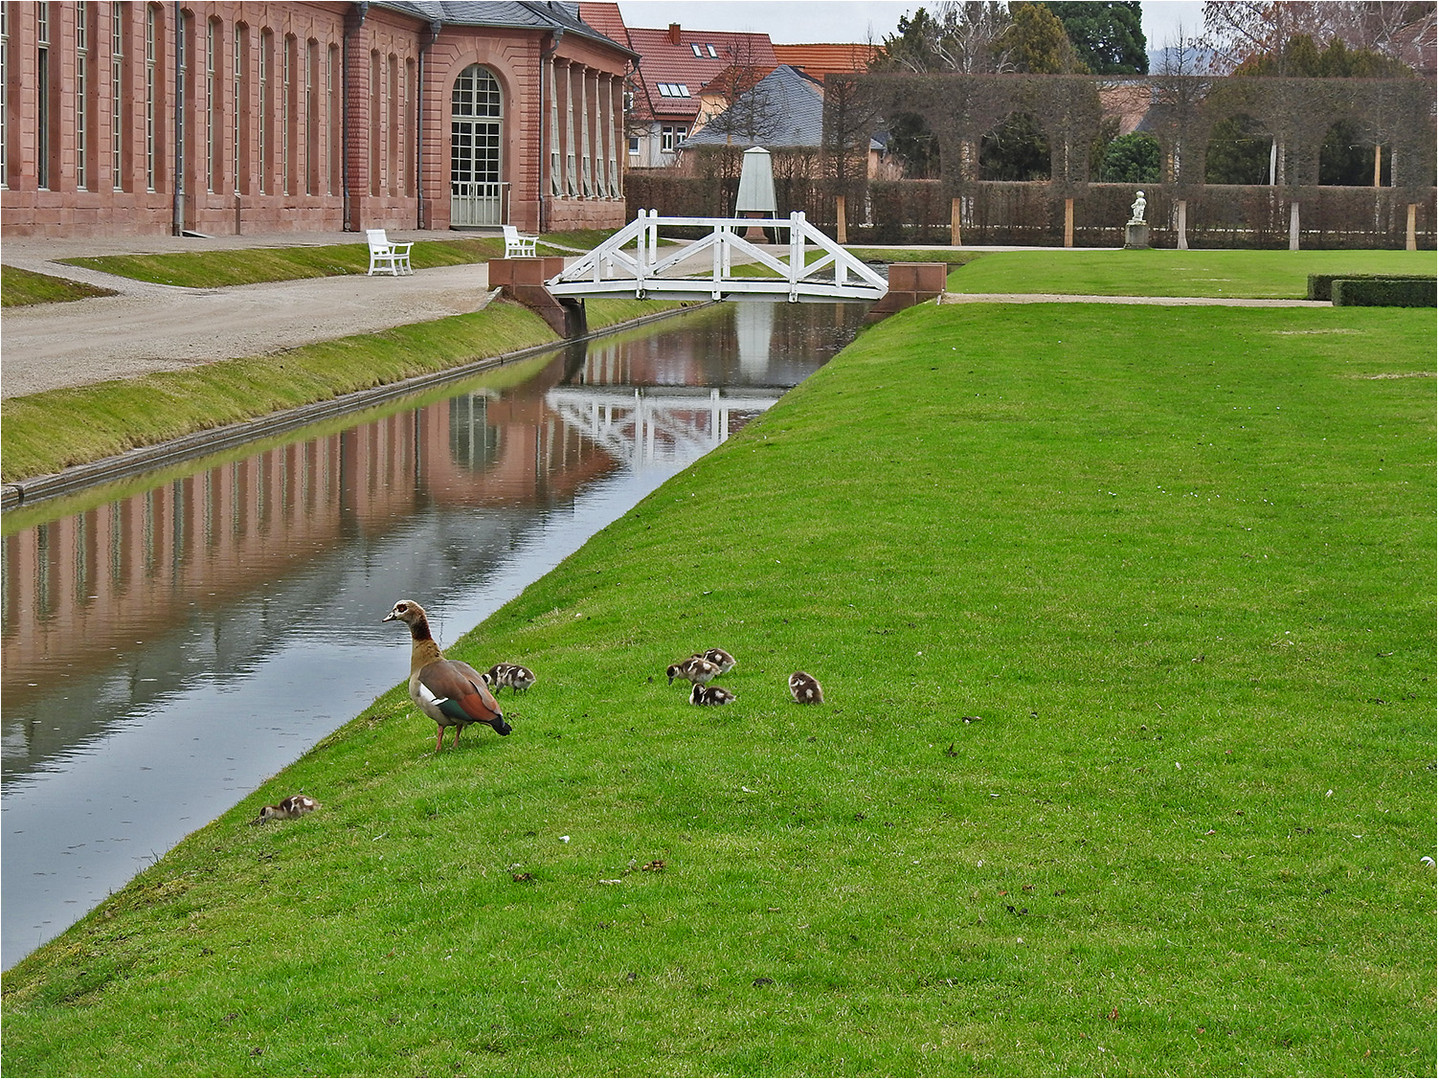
(103, 580)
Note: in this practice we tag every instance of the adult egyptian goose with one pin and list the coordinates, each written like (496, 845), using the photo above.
(516, 676)
(806, 689)
(696, 669)
(292, 807)
(721, 659)
(710, 695)
(449, 692)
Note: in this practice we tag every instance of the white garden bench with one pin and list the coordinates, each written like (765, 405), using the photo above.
(388, 258)
(517, 243)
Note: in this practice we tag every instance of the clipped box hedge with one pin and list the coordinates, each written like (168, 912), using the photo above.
(1321, 285)
(1414, 292)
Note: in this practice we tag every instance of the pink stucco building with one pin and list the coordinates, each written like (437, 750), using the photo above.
(241, 117)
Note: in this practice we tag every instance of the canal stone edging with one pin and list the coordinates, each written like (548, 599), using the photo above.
(215, 440)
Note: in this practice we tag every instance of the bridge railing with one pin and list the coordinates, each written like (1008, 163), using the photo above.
(632, 261)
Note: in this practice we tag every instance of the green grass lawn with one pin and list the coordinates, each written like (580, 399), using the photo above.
(1156, 272)
(1126, 767)
(21, 287)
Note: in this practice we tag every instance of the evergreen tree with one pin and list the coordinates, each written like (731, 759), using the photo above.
(1037, 43)
(1108, 37)
(1131, 159)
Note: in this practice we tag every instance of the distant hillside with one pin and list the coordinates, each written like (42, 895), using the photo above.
(1189, 61)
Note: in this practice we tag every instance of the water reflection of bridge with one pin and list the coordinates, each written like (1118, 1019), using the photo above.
(637, 424)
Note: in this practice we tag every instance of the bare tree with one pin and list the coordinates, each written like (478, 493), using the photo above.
(850, 121)
(744, 116)
(1237, 29)
(1177, 92)
(970, 43)
(958, 36)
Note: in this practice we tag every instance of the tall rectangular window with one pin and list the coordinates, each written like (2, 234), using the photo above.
(212, 126)
(42, 94)
(312, 117)
(241, 106)
(267, 105)
(152, 90)
(4, 95)
(287, 113)
(412, 168)
(82, 97)
(332, 92)
(392, 91)
(185, 134)
(119, 100)
(376, 119)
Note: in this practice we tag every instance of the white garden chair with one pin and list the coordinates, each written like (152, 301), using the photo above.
(517, 243)
(388, 258)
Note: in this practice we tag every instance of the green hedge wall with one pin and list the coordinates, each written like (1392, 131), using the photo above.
(1321, 284)
(1383, 292)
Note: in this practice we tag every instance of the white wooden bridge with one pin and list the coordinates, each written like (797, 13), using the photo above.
(721, 266)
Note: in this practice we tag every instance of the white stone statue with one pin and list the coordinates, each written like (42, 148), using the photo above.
(1136, 212)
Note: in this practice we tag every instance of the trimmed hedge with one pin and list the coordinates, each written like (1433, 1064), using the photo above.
(1321, 285)
(1402, 292)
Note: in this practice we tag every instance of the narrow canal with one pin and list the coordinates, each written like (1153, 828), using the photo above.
(165, 653)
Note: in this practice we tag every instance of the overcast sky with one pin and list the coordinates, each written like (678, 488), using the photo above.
(795, 22)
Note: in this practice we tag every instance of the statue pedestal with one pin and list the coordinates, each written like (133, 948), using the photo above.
(1136, 235)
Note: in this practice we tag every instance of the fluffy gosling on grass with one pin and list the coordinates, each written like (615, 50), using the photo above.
(805, 689)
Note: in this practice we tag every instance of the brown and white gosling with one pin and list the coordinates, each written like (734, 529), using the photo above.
(292, 807)
(449, 692)
(805, 689)
(721, 659)
(516, 676)
(710, 695)
(696, 669)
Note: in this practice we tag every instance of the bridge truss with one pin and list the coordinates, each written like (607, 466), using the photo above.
(720, 266)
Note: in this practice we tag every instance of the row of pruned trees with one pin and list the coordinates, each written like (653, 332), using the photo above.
(1242, 38)
(1189, 117)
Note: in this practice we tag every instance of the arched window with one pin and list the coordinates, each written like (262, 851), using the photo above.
(477, 195)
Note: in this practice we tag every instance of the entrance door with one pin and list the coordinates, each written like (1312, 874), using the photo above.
(477, 196)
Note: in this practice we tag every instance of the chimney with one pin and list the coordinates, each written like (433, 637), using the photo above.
(674, 33)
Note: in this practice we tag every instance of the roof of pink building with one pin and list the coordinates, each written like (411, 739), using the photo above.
(606, 18)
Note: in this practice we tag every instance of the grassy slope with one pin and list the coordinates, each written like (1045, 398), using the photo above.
(1261, 274)
(1189, 593)
(19, 288)
(248, 266)
(46, 432)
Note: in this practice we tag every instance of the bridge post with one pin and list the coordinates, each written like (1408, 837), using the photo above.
(523, 281)
(909, 284)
